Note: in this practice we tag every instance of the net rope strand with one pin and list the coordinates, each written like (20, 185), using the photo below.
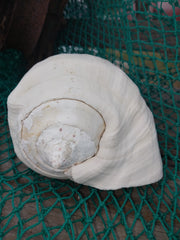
(143, 40)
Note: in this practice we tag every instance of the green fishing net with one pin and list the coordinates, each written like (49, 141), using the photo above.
(143, 39)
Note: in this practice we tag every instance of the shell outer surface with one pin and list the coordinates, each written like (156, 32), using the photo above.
(111, 112)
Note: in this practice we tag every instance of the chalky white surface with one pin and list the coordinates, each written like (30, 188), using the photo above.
(128, 152)
(62, 145)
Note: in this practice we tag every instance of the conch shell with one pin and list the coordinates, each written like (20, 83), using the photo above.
(80, 117)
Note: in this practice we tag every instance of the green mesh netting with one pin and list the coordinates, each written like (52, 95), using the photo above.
(144, 41)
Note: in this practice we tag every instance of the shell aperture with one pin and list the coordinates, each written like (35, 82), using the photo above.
(80, 117)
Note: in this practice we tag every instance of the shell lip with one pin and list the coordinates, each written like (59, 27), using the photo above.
(56, 99)
(47, 167)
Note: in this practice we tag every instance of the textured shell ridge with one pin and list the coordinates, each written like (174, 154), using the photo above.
(90, 94)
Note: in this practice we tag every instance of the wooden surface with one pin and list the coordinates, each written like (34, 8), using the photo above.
(129, 206)
(31, 27)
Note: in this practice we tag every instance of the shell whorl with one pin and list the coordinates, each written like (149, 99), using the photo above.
(94, 100)
(59, 133)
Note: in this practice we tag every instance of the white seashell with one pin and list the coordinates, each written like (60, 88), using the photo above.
(80, 117)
